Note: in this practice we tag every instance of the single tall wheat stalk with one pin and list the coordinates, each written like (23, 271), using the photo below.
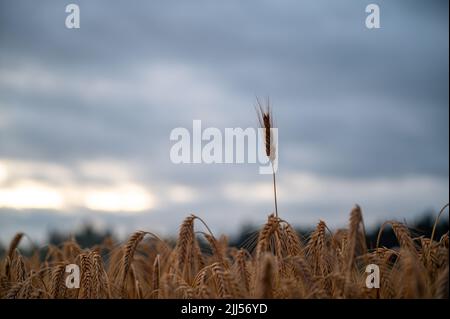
(265, 119)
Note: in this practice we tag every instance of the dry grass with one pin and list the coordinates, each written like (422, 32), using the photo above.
(327, 265)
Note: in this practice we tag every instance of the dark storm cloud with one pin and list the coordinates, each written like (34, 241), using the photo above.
(331, 76)
(350, 102)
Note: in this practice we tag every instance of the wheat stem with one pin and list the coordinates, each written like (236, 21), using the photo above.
(275, 191)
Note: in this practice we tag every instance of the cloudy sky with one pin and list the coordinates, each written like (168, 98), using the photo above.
(86, 114)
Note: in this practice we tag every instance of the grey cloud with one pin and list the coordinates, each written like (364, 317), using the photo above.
(349, 102)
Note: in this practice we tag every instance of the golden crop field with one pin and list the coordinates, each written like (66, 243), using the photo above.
(281, 265)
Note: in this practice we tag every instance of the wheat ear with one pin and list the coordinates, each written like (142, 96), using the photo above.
(14, 243)
(265, 119)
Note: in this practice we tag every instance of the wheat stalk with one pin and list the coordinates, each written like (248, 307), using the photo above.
(57, 280)
(265, 119)
(221, 283)
(266, 277)
(243, 269)
(86, 276)
(156, 275)
(291, 240)
(14, 243)
(128, 253)
(265, 236)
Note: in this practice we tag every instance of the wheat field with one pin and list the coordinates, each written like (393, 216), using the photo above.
(281, 265)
